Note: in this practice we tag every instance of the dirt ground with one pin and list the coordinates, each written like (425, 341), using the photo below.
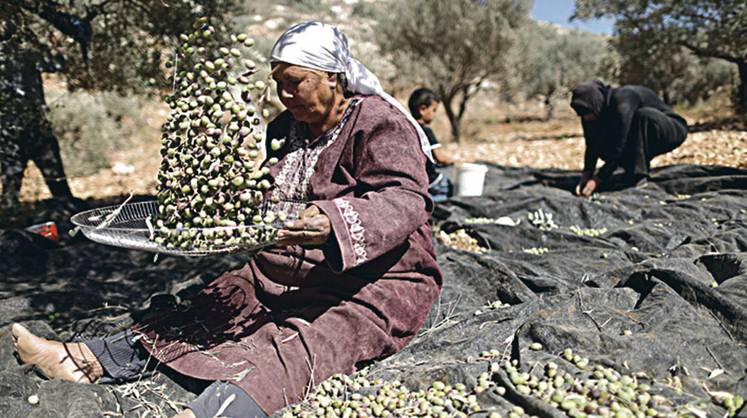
(560, 144)
(511, 136)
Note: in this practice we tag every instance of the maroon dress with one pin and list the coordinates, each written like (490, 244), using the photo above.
(293, 316)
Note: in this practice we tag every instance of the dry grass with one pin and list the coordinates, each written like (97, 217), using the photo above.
(150, 399)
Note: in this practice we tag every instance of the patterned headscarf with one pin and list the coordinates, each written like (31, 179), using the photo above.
(324, 47)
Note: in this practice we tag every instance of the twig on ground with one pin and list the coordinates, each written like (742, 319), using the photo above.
(731, 337)
(508, 341)
(119, 404)
(173, 404)
(531, 369)
(448, 317)
(137, 390)
(718, 363)
(588, 313)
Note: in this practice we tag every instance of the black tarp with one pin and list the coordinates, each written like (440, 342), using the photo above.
(670, 267)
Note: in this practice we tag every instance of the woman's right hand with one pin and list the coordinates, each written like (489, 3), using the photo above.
(313, 228)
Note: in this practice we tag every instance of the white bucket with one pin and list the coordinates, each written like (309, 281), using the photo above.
(470, 179)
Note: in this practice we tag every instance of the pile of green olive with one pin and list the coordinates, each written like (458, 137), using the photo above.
(578, 389)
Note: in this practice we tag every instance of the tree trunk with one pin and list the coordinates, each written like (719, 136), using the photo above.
(454, 120)
(550, 108)
(26, 131)
(741, 97)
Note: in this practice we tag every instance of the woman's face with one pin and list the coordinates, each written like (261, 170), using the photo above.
(589, 117)
(308, 94)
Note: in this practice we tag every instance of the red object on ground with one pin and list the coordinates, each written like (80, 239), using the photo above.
(47, 230)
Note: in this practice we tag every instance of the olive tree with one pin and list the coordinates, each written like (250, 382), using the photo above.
(711, 29)
(673, 71)
(551, 61)
(115, 45)
(452, 46)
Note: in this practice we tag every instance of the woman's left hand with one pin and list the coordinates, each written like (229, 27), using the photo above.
(312, 228)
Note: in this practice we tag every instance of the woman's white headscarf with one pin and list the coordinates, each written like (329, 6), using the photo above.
(324, 47)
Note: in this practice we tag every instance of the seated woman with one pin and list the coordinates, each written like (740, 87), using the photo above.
(626, 127)
(352, 280)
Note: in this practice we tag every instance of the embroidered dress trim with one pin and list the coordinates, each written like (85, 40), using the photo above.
(355, 229)
(291, 189)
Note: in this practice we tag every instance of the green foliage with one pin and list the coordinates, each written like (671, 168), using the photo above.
(712, 29)
(452, 46)
(551, 62)
(129, 40)
(89, 127)
(709, 28)
(364, 9)
(674, 72)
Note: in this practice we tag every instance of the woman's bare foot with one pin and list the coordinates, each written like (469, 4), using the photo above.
(72, 361)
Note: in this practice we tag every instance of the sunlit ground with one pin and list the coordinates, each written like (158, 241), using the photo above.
(513, 136)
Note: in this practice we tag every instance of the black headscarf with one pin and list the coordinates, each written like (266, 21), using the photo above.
(590, 97)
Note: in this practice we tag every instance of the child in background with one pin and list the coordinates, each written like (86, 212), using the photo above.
(423, 104)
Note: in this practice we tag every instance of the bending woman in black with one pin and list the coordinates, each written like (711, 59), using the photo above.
(625, 127)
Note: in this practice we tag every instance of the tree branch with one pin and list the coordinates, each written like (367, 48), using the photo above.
(706, 53)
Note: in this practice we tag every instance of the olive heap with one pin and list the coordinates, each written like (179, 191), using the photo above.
(585, 391)
(461, 240)
(209, 187)
(536, 250)
(602, 392)
(590, 232)
(358, 396)
(491, 306)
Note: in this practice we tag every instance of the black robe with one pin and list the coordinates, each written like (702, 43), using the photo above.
(632, 126)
